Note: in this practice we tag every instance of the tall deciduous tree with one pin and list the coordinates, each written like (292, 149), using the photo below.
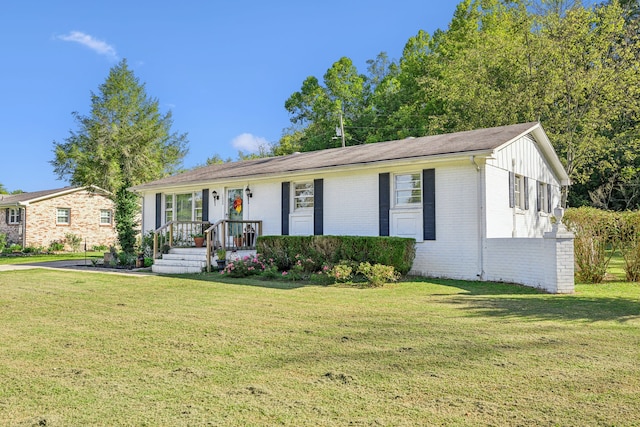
(124, 141)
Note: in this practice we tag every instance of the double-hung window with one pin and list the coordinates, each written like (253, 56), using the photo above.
(302, 196)
(14, 216)
(544, 197)
(518, 191)
(106, 217)
(183, 207)
(407, 189)
(63, 216)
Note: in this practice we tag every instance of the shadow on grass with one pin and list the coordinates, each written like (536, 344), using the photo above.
(249, 281)
(501, 300)
(511, 300)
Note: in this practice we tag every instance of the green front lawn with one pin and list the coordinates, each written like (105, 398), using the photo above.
(97, 349)
(28, 259)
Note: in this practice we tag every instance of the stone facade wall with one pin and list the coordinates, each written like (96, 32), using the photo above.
(12, 231)
(40, 220)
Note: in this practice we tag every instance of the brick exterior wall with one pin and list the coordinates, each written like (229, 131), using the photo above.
(40, 221)
(12, 231)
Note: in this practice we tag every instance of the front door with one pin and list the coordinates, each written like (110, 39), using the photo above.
(235, 211)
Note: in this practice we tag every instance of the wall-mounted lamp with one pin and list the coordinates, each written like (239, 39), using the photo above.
(214, 195)
(248, 192)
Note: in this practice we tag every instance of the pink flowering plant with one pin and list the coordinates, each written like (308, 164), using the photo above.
(247, 266)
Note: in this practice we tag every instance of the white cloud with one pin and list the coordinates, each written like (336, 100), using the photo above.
(249, 143)
(98, 46)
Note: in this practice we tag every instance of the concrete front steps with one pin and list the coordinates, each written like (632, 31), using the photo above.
(181, 261)
(191, 260)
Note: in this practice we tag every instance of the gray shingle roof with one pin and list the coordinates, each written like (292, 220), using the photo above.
(447, 144)
(12, 199)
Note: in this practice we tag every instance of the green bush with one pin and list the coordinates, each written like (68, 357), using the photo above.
(629, 243)
(340, 273)
(74, 241)
(247, 266)
(36, 250)
(3, 241)
(595, 238)
(378, 274)
(286, 250)
(56, 246)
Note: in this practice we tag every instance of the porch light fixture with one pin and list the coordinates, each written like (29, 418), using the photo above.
(248, 192)
(214, 195)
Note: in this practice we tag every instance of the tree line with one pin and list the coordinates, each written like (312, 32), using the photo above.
(573, 68)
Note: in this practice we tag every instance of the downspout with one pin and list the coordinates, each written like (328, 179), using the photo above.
(24, 227)
(513, 210)
(480, 219)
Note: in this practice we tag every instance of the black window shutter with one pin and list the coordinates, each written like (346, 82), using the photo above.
(512, 197)
(318, 195)
(548, 198)
(6, 216)
(384, 203)
(158, 210)
(526, 192)
(538, 196)
(205, 204)
(429, 203)
(286, 206)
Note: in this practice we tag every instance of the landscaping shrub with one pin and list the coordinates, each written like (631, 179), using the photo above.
(56, 246)
(595, 238)
(3, 241)
(395, 251)
(340, 273)
(74, 241)
(378, 274)
(629, 243)
(247, 266)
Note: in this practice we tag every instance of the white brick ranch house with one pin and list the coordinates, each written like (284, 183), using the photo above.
(479, 203)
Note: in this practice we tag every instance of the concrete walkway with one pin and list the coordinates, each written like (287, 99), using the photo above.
(77, 265)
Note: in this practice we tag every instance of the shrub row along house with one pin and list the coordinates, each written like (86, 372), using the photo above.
(39, 218)
(478, 203)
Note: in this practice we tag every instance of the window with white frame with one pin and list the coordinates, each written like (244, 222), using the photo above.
(302, 195)
(183, 207)
(63, 216)
(14, 215)
(407, 189)
(544, 192)
(518, 191)
(106, 217)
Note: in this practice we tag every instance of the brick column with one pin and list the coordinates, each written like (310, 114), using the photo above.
(560, 262)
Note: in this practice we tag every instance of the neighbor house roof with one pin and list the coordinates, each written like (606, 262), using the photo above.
(36, 196)
(452, 144)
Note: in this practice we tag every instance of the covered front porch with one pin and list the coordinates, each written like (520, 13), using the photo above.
(237, 236)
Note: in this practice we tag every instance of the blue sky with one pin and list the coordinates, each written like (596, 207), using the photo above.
(224, 68)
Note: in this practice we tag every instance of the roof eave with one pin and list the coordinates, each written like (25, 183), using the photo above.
(405, 161)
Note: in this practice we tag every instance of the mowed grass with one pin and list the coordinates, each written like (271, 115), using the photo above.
(99, 349)
(63, 256)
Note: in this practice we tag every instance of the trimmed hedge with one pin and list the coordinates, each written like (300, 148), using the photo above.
(285, 250)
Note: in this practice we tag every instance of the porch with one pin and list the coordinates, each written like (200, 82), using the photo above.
(237, 236)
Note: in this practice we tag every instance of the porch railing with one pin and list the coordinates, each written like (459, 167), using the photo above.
(231, 235)
(228, 234)
(177, 234)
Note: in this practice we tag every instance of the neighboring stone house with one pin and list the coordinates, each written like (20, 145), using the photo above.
(38, 218)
